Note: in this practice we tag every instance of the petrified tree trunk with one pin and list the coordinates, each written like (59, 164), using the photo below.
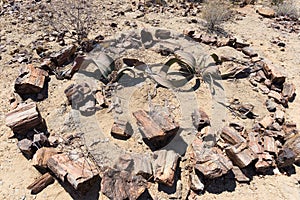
(273, 73)
(41, 183)
(241, 155)
(121, 185)
(63, 56)
(31, 80)
(158, 128)
(211, 162)
(164, 166)
(119, 129)
(231, 136)
(80, 173)
(24, 118)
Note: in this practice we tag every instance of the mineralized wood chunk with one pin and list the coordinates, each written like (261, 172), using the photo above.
(254, 143)
(157, 128)
(288, 91)
(164, 166)
(265, 163)
(211, 162)
(150, 128)
(231, 136)
(266, 121)
(240, 155)
(142, 166)
(63, 56)
(119, 129)
(273, 73)
(80, 173)
(30, 80)
(239, 175)
(24, 118)
(42, 156)
(41, 183)
(276, 96)
(269, 144)
(121, 185)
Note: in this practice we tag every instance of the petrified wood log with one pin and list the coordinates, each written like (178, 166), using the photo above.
(266, 121)
(273, 73)
(80, 173)
(276, 96)
(239, 175)
(265, 163)
(24, 118)
(41, 183)
(63, 56)
(240, 154)
(119, 129)
(142, 166)
(211, 162)
(254, 143)
(42, 156)
(231, 136)
(121, 185)
(157, 128)
(269, 144)
(30, 80)
(164, 166)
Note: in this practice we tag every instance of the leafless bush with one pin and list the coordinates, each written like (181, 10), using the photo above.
(70, 18)
(215, 13)
(287, 8)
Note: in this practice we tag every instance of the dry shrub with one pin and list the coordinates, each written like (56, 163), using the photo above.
(215, 13)
(287, 8)
(70, 18)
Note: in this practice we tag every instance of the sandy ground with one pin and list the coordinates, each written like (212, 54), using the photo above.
(16, 172)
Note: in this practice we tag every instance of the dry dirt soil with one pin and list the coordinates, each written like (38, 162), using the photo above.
(19, 33)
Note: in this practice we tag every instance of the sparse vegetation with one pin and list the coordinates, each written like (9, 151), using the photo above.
(70, 18)
(215, 13)
(287, 8)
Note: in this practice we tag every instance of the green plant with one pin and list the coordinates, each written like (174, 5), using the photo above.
(215, 13)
